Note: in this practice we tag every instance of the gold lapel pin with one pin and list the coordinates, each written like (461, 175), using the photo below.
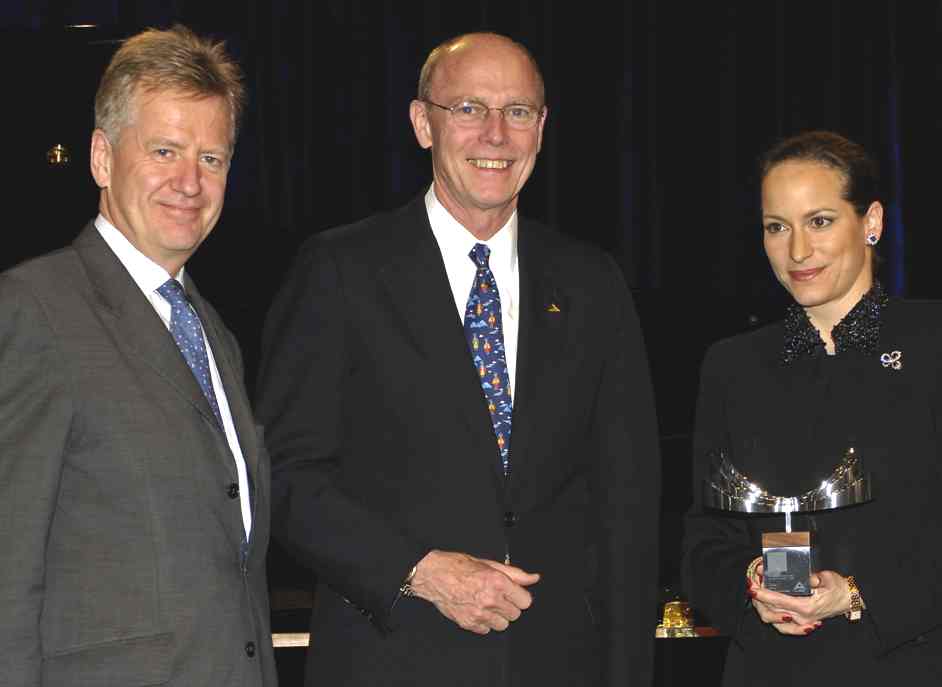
(552, 307)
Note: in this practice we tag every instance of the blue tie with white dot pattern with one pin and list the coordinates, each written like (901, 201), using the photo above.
(188, 333)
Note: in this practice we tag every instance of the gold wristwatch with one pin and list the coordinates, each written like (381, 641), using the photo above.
(406, 588)
(856, 603)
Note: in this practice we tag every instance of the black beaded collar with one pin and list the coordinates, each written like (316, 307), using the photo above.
(858, 331)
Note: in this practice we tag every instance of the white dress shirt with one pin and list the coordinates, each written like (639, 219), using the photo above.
(149, 276)
(455, 243)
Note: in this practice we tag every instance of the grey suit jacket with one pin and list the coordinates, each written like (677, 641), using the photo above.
(120, 529)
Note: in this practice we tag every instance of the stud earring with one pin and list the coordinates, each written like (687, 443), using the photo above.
(872, 239)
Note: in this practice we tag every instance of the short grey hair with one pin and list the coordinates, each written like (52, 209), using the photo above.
(431, 62)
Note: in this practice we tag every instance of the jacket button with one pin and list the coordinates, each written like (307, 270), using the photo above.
(510, 518)
(250, 649)
(233, 490)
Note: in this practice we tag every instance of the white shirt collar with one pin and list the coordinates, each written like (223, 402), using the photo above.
(454, 239)
(146, 273)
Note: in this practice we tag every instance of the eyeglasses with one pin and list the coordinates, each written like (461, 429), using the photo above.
(470, 113)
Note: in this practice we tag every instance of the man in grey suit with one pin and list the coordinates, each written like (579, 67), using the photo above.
(134, 489)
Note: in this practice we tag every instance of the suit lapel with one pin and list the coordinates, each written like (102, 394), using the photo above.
(418, 291)
(138, 332)
(138, 329)
(236, 398)
(543, 315)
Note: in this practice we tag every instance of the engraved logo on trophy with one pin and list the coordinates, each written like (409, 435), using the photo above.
(786, 556)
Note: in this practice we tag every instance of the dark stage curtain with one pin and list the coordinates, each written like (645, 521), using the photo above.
(333, 85)
(657, 111)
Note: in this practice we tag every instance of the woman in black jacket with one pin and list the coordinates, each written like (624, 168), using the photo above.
(847, 368)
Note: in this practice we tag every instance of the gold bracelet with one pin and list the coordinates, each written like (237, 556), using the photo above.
(856, 603)
(752, 570)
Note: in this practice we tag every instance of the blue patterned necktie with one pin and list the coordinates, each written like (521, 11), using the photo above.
(484, 331)
(188, 333)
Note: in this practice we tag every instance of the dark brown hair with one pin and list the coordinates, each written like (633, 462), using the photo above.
(849, 159)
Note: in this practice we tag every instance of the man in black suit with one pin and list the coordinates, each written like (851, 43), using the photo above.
(473, 478)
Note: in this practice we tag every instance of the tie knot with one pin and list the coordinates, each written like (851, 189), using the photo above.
(173, 292)
(480, 254)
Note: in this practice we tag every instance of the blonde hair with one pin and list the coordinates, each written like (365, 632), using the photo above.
(173, 59)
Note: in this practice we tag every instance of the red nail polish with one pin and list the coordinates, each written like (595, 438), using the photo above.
(809, 630)
(787, 619)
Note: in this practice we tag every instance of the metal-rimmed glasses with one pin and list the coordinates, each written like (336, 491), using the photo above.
(470, 113)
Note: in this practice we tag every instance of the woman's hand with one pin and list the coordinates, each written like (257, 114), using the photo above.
(801, 615)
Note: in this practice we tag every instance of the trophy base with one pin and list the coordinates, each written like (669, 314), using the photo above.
(662, 632)
(786, 562)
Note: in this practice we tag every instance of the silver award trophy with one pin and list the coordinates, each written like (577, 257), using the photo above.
(786, 556)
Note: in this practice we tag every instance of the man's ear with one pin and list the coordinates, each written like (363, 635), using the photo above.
(418, 113)
(101, 158)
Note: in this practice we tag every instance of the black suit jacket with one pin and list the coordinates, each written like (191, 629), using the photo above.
(787, 426)
(383, 449)
(122, 547)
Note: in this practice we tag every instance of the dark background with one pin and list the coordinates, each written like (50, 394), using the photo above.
(657, 111)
